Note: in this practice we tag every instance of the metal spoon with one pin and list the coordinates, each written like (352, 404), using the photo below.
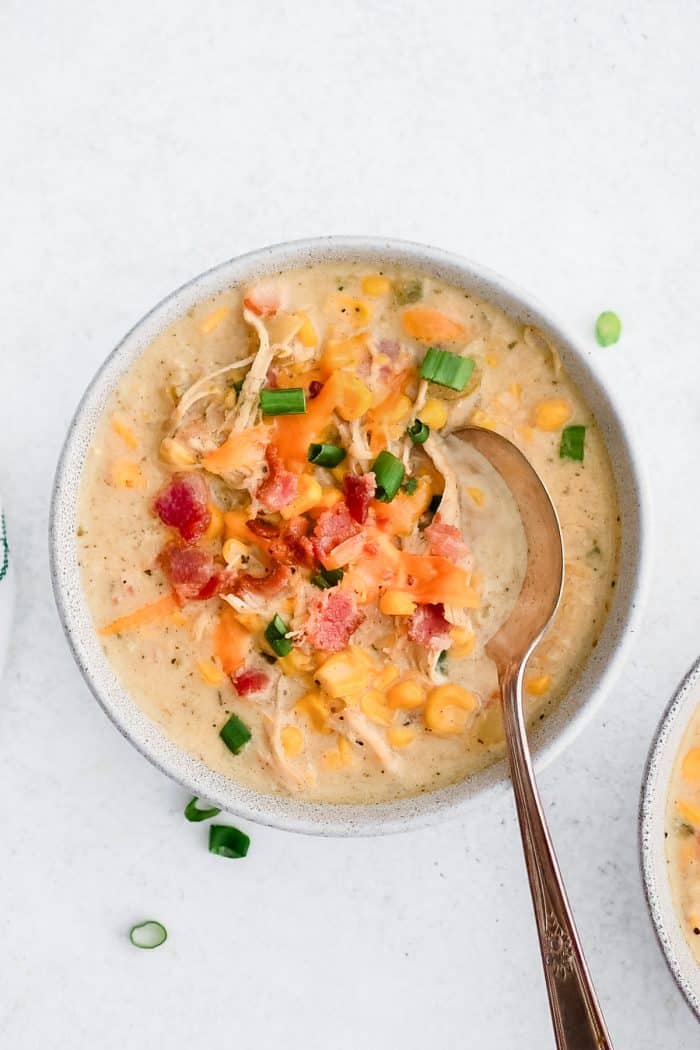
(576, 1015)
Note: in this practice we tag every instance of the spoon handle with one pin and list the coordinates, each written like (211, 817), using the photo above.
(576, 1015)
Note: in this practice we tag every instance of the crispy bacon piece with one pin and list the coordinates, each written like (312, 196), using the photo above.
(333, 527)
(332, 619)
(279, 486)
(191, 571)
(267, 530)
(293, 547)
(249, 680)
(446, 541)
(359, 490)
(428, 627)
(182, 504)
(265, 586)
(315, 388)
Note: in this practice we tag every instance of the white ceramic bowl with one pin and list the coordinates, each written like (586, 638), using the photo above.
(655, 787)
(548, 739)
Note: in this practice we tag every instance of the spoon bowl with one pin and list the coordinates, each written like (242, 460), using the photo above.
(576, 1015)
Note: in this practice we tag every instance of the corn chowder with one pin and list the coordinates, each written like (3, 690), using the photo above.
(683, 834)
(294, 566)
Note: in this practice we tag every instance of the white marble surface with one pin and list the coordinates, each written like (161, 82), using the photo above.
(143, 142)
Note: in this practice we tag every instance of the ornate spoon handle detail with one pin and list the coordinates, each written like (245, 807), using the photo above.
(576, 1015)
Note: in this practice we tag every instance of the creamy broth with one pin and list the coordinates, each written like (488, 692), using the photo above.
(424, 586)
(683, 834)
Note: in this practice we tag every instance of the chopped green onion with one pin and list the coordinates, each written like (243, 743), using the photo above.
(435, 503)
(326, 455)
(572, 441)
(276, 635)
(194, 814)
(407, 292)
(235, 734)
(389, 472)
(326, 578)
(411, 486)
(442, 661)
(446, 369)
(608, 328)
(290, 401)
(419, 432)
(226, 841)
(149, 934)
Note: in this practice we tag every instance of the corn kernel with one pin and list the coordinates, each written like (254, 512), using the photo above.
(292, 741)
(396, 603)
(309, 495)
(215, 527)
(690, 767)
(125, 432)
(340, 757)
(296, 662)
(356, 311)
(235, 526)
(375, 284)
(346, 673)
(388, 674)
(127, 475)
(689, 812)
(448, 708)
(372, 704)
(407, 694)
(552, 414)
(210, 672)
(343, 353)
(340, 471)
(176, 454)
(477, 495)
(538, 684)
(433, 414)
(480, 419)
(316, 708)
(251, 622)
(214, 319)
(355, 399)
(233, 550)
(330, 495)
(463, 640)
(400, 736)
(307, 333)
(397, 410)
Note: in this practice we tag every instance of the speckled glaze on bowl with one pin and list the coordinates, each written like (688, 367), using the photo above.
(550, 737)
(655, 787)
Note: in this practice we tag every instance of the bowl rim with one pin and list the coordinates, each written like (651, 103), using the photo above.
(654, 794)
(281, 811)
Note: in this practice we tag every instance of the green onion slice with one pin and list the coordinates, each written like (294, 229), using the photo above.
(407, 292)
(326, 455)
(419, 432)
(227, 841)
(235, 734)
(149, 934)
(194, 814)
(608, 328)
(326, 578)
(411, 486)
(442, 661)
(389, 472)
(446, 369)
(572, 442)
(276, 635)
(288, 402)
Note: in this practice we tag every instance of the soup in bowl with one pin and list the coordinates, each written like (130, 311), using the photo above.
(278, 564)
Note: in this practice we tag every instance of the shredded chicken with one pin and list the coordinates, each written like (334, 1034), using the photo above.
(360, 726)
(204, 387)
(450, 511)
(289, 775)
